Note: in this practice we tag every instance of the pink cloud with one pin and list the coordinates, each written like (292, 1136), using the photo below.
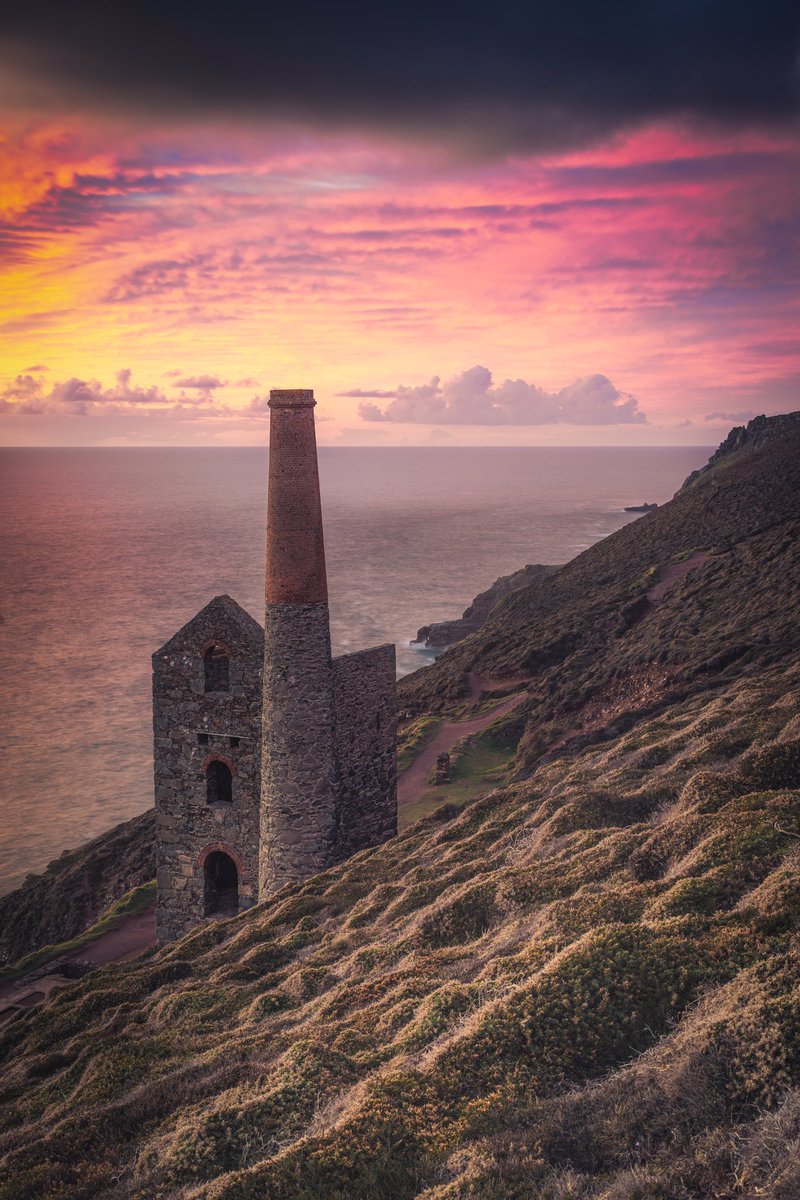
(667, 260)
(472, 398)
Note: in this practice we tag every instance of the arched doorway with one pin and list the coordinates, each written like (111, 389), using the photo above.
(221, 884)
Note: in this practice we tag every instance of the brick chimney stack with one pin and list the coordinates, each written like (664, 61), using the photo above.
(295, 549)
(298, 805)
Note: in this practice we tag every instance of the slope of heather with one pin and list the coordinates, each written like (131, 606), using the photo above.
(582, 986)
(586, 983)
(591, 640)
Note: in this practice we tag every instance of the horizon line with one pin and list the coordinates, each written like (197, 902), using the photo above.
(398, 446)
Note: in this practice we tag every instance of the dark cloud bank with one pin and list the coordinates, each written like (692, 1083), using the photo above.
(472, 398)
(506, 71)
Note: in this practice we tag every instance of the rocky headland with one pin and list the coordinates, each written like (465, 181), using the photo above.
(440, 634)
(743, 439)
(582, 984)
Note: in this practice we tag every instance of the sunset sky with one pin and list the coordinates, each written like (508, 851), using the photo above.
(491, 224)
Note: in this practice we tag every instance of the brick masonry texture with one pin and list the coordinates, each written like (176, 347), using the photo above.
(295, 548)
(191, 727)
(365, 749)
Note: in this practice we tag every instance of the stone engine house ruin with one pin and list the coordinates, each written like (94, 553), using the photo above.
(272, 760)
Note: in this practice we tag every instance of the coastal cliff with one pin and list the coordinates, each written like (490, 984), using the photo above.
(743, 439)
(583, 626)
(61, 902)
(440, 634)
(582, 984)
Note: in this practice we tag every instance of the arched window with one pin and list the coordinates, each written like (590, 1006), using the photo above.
(219, 783)
(217, 669)
(221, 884)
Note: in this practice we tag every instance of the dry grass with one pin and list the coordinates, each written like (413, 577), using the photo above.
(582, 985)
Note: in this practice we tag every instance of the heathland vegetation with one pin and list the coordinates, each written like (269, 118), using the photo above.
(583, 984)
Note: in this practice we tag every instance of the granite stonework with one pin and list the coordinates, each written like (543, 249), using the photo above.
(365, 749)
(298, 812)
(272, 761)
(191, 728)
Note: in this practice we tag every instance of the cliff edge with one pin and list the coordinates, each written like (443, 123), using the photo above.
(743, 439)
(440, 634)
(76, 888)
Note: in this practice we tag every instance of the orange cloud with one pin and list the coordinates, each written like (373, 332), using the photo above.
(664, 261)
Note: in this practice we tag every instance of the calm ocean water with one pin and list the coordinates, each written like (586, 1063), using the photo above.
(106, 553)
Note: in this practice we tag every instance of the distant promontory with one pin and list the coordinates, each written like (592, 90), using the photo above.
(443, 633)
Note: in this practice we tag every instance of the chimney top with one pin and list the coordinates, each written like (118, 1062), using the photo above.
(291, 398)
(295, 549)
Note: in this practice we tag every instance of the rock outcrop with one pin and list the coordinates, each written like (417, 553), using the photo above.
(443, 633)
(743, 439)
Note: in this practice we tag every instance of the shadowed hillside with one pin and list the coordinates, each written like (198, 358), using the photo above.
(583, 985)
(593, 643)
(76, 888)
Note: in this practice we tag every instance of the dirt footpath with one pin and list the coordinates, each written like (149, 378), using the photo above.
(132, 937)
(414, 780)
(669, 574)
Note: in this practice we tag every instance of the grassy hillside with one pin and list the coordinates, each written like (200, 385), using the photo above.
(586, 983)
(583, 985)
(77, 888)
(587, 634)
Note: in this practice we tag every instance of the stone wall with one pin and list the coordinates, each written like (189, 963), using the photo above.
(298, 812)
(192, 727)
(365, 725)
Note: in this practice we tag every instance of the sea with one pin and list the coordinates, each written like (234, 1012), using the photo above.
(107, 552)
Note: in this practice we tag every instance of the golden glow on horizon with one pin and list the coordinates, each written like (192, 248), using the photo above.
(344, 264)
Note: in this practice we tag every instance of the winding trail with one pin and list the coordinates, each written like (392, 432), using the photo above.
(671, 572)
(133, 935)
(414, 780)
